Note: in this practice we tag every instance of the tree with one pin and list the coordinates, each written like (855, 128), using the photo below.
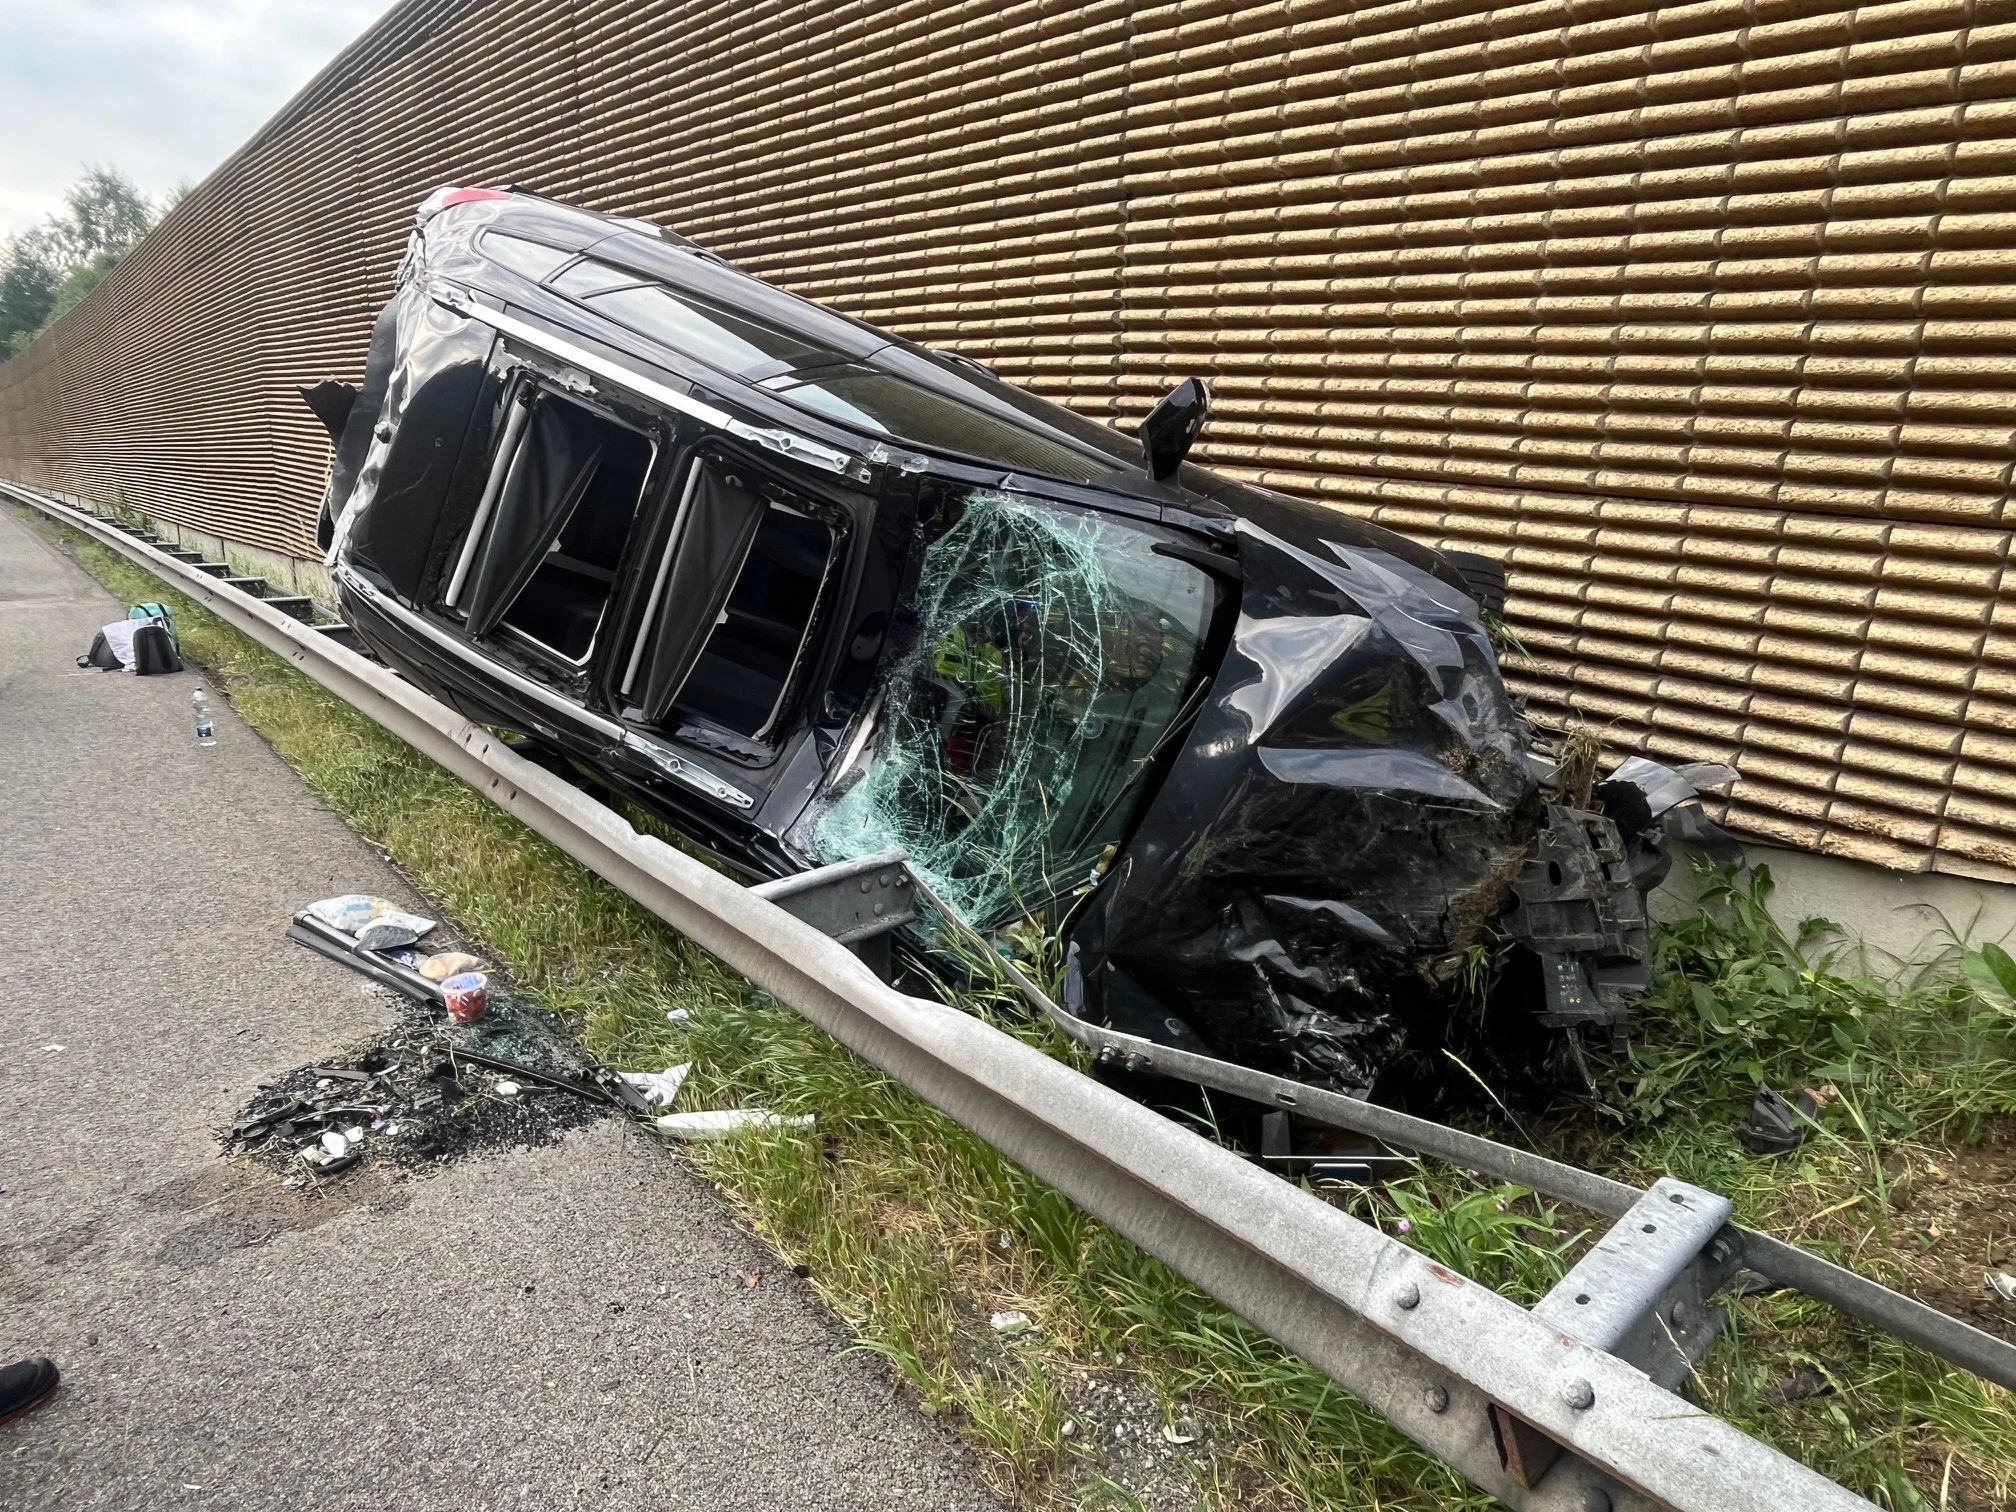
(28, 279)
(47, 272)
(106, 214)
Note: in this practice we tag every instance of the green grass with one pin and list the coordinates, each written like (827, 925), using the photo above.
(1912, 1068)
(914, 1231)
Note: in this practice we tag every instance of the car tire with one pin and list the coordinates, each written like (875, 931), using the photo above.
(1485, 577)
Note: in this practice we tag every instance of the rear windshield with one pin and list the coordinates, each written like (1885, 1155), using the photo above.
(718, 337)
(883, 404)
(535, 260)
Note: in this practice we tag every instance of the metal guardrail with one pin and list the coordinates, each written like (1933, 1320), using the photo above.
(1782, 1264)
(1450, 1363)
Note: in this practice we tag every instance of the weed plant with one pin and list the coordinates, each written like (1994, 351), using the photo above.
(1909, 1068)
(913, 1230)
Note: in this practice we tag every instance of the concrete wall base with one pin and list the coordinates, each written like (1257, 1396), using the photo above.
(295, 575)
(1894, 918)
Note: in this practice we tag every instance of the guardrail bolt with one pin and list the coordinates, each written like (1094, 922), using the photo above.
(1438, 1399)
(1408, 1297)
(1580, 1395)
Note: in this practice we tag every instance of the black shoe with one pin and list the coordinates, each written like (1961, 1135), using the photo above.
(1774, 1126)
(24, 1385)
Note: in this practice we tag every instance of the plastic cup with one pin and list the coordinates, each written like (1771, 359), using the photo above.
(465, 996)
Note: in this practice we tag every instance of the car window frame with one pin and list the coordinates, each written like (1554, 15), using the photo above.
(814, 642)
(836, 542)
(526, 388)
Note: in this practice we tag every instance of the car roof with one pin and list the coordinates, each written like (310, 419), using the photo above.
(652, 252)
(662, 256)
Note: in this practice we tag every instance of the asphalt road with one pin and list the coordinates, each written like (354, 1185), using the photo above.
(558, 1327)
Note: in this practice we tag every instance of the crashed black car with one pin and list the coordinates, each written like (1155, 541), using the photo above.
(813, 592)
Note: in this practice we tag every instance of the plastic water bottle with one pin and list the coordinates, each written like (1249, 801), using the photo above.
(206, 727)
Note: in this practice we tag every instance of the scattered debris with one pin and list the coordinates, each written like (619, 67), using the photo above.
(725, 1123)
(659, 1088)
(409, 1100)
(2002, 1284)
(1010, 1324)
(677, 1016)
(1773, 1126)
(1809, 1378)
(438, 968)
(597, 1084)
(750, 1278)
(1118, 1428)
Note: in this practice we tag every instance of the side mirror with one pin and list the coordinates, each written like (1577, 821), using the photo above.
(331, 401)
(1172, 425)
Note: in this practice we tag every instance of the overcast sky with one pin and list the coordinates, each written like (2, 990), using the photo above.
(163, 89)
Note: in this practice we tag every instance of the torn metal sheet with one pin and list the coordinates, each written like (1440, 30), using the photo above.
(1349, 810)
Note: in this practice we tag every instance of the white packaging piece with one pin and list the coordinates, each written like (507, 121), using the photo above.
(726, 1123)
(392, 929)
(660, 1088)
(350, 912)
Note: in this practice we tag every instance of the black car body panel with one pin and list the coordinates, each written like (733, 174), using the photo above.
(1352, 804)
(810, 591)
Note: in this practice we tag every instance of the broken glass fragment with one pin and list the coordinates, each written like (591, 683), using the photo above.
(1053, 650)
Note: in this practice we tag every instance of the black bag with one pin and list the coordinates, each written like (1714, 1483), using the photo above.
(101, 655)
(154, 650)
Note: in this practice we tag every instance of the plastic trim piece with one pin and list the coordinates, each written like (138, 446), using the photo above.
(669, 762)
(784, 443)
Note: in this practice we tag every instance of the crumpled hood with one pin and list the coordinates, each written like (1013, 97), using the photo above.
(1342, 821)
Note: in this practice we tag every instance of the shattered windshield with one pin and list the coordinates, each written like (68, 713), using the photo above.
(1054, 649)
(883, 404)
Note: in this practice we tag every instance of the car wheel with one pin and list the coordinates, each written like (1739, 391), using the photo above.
(1485, 577)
